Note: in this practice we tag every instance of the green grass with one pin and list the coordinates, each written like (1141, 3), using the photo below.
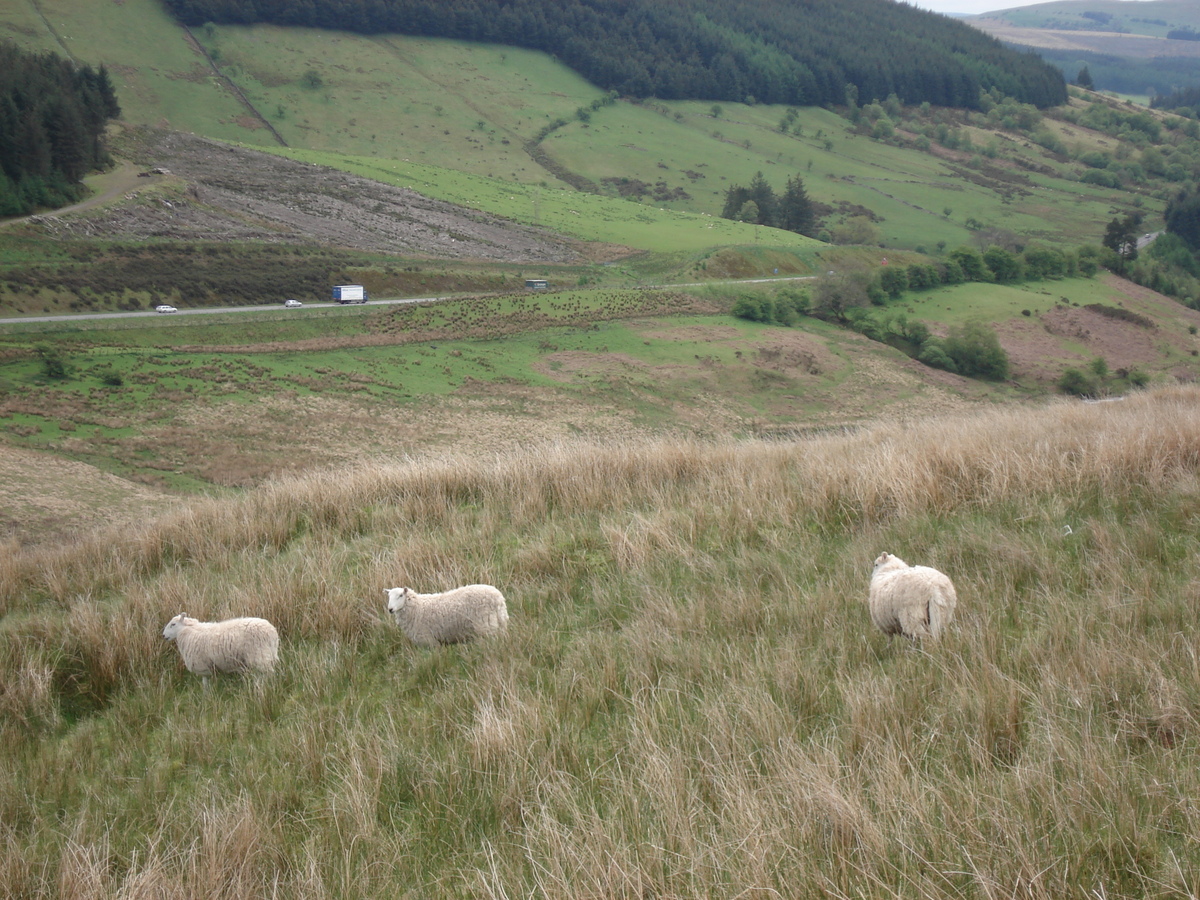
(472, 108)
(997, 303)
(161, 81)
(586, 216)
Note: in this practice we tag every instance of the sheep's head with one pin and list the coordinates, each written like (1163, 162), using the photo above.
(396, 598)
(886, 562)
(175, 626)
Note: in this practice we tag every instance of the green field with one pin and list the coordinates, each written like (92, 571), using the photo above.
(413, 106)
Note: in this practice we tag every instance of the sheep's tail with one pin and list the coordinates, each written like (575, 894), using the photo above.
(941, 609)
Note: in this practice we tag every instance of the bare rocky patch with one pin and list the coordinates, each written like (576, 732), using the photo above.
(229, 193)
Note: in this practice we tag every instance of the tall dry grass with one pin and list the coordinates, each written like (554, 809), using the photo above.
(689, 701)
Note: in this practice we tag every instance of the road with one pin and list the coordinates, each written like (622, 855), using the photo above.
(276, 307)
(139, 314)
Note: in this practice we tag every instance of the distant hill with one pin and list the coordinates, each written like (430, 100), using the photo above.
(802, 53)
(1149, 18)
(1145, 49)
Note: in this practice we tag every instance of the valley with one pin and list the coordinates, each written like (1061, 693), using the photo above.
(676, 462)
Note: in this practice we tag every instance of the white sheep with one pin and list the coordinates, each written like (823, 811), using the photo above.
(452, 617)
(234, 645)
(915, 601)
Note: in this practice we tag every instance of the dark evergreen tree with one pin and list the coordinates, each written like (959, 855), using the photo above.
(735, 198)
(1183, 217)
(1121, 237)
(762, 194)
(795, 208)
(1187, 99)
(52, 119)
(1084, 79)
(758, 201)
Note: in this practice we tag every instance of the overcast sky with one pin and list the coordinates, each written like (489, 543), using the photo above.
(971, 7)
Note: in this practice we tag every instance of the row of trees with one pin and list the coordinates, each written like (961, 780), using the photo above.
(1183, 217)
(1185, 101)
(759, 205)
(52, 119)
(858, 300)
(739, 50)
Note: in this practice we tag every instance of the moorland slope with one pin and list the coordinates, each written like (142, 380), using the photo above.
(690, 699)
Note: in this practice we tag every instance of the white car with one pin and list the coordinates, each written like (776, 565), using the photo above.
(165, 308)
(292, 303)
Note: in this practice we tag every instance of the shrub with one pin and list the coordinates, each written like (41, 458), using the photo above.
(1073, 381)
(754, 309)
(934, 354)
(976, 351)
(54, 364)
(893, 280)
(1101, 177)
(1003, 264)
(1044, 262)
(970, 262)
(785, 308)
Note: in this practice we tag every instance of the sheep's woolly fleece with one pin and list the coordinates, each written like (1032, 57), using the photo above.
(451, 617)
(234, 645)
(916, 601)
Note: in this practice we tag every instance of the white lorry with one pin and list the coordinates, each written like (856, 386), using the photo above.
(349, 293)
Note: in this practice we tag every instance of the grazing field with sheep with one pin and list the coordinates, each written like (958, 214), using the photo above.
(690, 697)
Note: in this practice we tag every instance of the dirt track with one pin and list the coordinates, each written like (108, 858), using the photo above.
(218, 192)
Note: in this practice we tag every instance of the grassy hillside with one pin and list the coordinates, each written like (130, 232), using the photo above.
(475, 109)
(690, 700)
(1149, 17)
(457, 113)
(708, 49)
